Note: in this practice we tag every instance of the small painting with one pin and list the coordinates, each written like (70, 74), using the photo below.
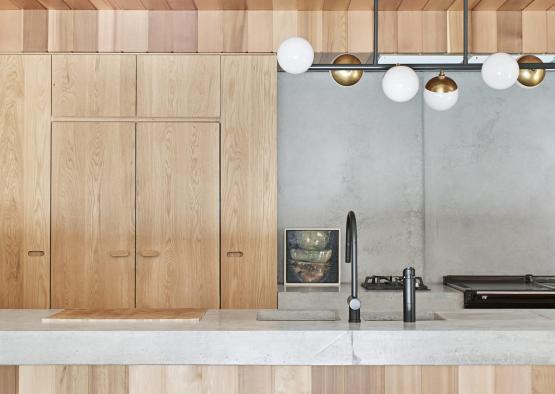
(311, 257)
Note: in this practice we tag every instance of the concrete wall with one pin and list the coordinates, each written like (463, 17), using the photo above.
(469, 191)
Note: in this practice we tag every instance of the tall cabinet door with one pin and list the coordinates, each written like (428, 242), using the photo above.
(178, 215)
(93, 214)
(248, 160)
(24, 181)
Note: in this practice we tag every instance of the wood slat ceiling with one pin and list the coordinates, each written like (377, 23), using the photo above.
(302, 5)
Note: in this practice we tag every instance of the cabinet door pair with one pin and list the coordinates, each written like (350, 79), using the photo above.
(135, 215)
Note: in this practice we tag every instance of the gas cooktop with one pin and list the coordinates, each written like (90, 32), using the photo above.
(377, 282)
(504, 291)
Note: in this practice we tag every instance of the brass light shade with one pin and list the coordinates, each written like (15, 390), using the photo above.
(530, 77)
(441, 84)
(346, 77)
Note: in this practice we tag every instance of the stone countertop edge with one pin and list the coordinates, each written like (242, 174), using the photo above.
(233, 337)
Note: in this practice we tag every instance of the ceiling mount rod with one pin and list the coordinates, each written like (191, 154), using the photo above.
(376, 54)
(423, 66)
(465, 31)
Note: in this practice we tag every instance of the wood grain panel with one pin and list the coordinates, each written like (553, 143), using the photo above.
(409, 31)
(248, 184)
(172, 31)
(347, 379)
(135, 314)
(93, 211)
(255, 379)
(11, 23)
(387, 32)
(439, 380)
(8, 379)
(434, 32)
(509, 31)
(25, 190)
(37, 379)
(178, 215)
(543, 379)
(259, 31)
(93, 85)
(403, 380)
(474, 379)
(170, 86)
(484, 32)
(513, 379)
(455, 32)
(122, 31)
(292, 379)
(35, 31)
(235, 31)
(360, 33)
(210, 31)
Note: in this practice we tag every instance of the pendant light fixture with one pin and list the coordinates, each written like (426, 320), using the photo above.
(295, 55)
(500, 71)
(400, 84)
(441, 93)
(532, 77)
(346, 77)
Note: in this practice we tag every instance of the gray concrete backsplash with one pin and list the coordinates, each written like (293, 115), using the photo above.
(467, 191)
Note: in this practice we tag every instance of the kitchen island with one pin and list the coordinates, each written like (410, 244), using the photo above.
(467, 352)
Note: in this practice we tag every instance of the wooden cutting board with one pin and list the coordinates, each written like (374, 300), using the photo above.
(155, 315)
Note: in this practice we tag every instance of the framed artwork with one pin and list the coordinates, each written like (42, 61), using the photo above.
(311, 257)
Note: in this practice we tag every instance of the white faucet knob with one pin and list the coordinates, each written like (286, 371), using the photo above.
(354, 304)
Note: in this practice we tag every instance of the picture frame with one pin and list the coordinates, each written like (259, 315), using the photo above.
(312, 257)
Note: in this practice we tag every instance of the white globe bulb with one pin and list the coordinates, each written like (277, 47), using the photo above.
(295, 55)
(500, 71)
(400, 83)
(440, 101)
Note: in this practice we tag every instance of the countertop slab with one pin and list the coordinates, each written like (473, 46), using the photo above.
(230, 337)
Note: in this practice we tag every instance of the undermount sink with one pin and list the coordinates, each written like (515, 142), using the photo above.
(398, 316)
(297, 315)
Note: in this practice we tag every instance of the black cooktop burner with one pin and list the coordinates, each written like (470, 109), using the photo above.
(376, 282)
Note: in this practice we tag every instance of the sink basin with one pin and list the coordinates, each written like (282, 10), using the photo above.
(398, 316)
(297, 315)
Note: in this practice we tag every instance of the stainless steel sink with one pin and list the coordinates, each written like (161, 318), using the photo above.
(297, 315)
(398, 316)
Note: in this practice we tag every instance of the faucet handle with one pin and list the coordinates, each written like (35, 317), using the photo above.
(354, 303)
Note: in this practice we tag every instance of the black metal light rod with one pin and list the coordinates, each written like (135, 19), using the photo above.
(376, 54)
(465, 31)
(422, 67)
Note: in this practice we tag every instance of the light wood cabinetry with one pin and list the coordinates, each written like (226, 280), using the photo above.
(253, 379)
(178, 216)
(93, 215)
(93, 85)
(248, 184)
(178, 86)
(24, 181)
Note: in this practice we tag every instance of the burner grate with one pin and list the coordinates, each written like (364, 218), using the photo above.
(380, 282)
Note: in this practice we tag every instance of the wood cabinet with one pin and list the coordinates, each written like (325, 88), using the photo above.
(24, 181)
(178, 216)
(93, 85)
(93, 215)
(249, 203)
(178, 86)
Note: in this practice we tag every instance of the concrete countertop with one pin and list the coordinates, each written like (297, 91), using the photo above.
(236, 337)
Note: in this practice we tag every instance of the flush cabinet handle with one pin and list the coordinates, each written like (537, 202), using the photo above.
(119, 253)
(35, 253)
(235, 254)
(149, 253)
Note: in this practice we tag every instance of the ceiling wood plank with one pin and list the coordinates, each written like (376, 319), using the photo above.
(412, 5)
(11, 39)
(389, 5)
(540, 5)
(128, 4)
(210, 31)
(181, 5)
(85, 31)
(259, 31)
(310, 5)
(102, 4)
(515, 5)
(434, 32)
(488, 5)
(54, 4)
(359, 31)
(361, 5)
(8, 5)
(438, 5)
(409, 31)
(28, 4)
(208, 5)
(458, 5)
(309, 27)
(509, 31)
(483, 25)
(80, 4)
(335, 5)
(161, 5)
(259, 5)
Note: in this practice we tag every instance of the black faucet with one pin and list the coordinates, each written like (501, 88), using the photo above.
(409, 295)
(351, 257)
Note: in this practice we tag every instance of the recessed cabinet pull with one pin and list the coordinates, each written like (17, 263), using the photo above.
(149, 253)
(35, 253)
(119, 253)
(235, 254)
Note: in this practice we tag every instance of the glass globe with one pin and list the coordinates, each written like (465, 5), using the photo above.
(400, 84)
(500, 71)
(295, 55)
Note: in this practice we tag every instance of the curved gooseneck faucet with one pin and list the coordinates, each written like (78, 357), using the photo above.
(351, 257)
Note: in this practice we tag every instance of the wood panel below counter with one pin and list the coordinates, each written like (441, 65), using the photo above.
(148, 379)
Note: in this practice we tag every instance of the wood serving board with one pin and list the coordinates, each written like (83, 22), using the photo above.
(157, 315)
